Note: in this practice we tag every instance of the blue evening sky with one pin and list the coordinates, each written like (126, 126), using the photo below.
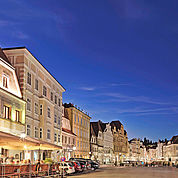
(117, 59)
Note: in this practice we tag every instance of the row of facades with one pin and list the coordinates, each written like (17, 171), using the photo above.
(34, 124)
(162, 151)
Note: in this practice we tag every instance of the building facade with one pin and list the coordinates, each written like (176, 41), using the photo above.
(120, 141)
(68, 138)
(12, 110)
(43, 96)
(170, 150)
(80, 125)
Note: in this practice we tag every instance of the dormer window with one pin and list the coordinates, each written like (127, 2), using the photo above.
(5, 81)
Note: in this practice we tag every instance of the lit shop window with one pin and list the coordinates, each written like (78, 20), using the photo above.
(28, 129)
(29, 78)
(6, 112)
(5, 81)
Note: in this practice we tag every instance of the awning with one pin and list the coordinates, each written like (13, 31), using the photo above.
(13, 142)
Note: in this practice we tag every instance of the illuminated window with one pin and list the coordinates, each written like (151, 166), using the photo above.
(49, 112)
(44, 91)
(36, 84)
(41, 133)
(28, 104)
(51, 96)
(17, 116)
(29, 78)
(36, 108)
(5, 81)
(28, 129)
(6, 112)
(36, 132)
(48, 134)
(41, 109)
(55, 137)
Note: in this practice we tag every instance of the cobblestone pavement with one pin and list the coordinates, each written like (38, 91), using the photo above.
(117, 172)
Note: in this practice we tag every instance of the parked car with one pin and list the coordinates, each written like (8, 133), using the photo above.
(77, 166)
(67, 167)
(94, 165)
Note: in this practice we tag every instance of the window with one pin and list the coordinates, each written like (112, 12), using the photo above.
(75, 130)
(55, 99)
(69, 140)
(28, 104)
(55, 118)
(75, 118)
(78, 143)
(73, 140)
(51, 96)
(36, 84)
(41, 109)
(36, 132)
(65, 139)
(29, 78)
(81, 121)
(59, 102)
(41, 133)
(78, 119)
(36, 108)
(48, 134)
(62, 139)
(81, 133)
(17, 116)
(55, 137)
(6, 113)
(44, 90)
(58, 138)
(28, 129)
(59, 121)
(49, 112)
(5, 81)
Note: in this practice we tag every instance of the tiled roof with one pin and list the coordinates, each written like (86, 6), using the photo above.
(68, 131)
(116, 124)
(174, 139)
(4, 57)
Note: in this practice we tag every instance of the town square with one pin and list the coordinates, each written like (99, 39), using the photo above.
(88, 88)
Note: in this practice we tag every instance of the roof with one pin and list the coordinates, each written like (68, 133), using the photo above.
(97, 126)
(3, 56)
(116, 124)
(174, 139)
(68, 131)
(23, 47)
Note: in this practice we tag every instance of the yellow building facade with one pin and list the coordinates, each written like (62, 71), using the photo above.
(12, 109)
(80, 124)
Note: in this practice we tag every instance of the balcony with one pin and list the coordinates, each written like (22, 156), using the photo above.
(9, 126)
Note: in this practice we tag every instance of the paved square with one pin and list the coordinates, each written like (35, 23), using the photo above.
(112, 172)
